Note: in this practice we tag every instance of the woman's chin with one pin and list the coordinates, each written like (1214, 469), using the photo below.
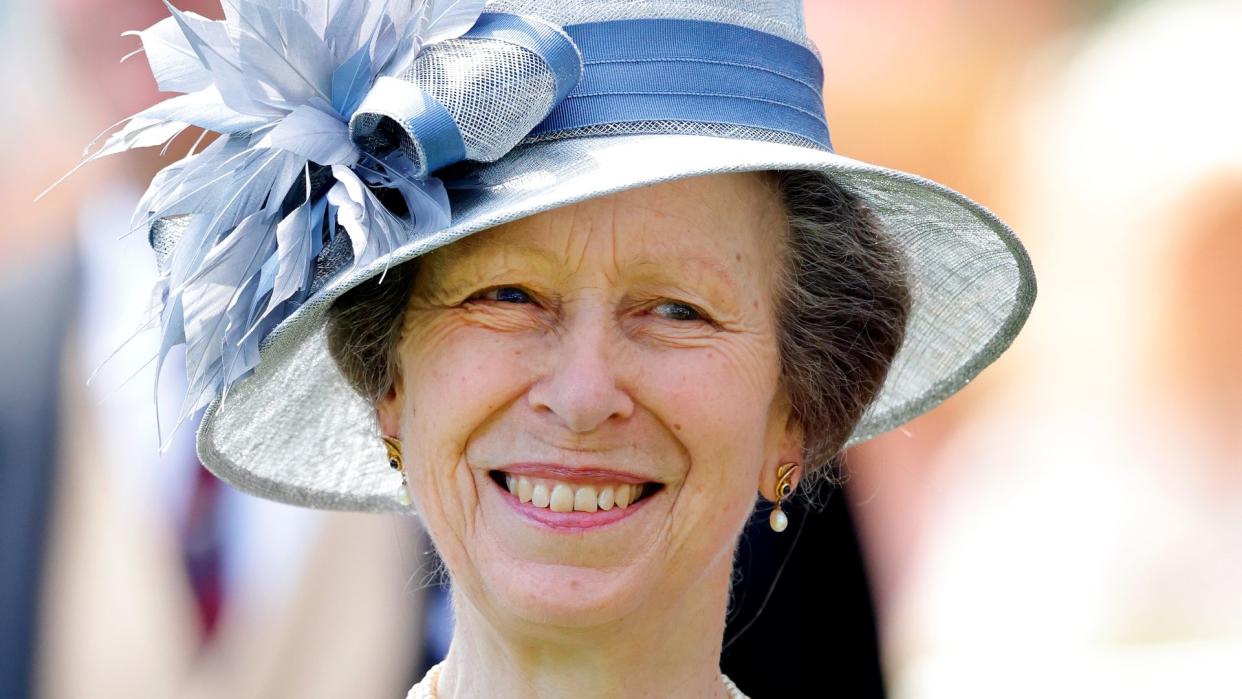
(565, 596)
(572, 569)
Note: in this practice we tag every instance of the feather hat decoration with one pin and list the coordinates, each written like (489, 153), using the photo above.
(305, 96)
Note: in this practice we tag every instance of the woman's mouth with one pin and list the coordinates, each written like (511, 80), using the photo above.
(566, 496)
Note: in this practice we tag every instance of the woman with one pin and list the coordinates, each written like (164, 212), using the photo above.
(586, 274)
(589, 397)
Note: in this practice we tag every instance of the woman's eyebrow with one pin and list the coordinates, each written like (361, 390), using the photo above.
(700, 265)
(483, 251)
(665, 265)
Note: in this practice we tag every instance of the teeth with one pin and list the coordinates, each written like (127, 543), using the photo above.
(563, 497)
(585, 499)
(539, 496)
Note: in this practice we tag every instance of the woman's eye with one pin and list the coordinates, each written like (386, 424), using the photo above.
(674, 310)
(504, 294)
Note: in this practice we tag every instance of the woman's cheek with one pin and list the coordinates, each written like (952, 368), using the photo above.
(716, 407)
(467, 373)
(698, 382)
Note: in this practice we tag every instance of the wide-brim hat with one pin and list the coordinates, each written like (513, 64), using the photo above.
(665, 90)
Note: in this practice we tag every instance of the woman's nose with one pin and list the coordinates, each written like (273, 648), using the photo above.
(581, 388)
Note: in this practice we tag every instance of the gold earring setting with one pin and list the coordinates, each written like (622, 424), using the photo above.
(778, 520)
(393, 445)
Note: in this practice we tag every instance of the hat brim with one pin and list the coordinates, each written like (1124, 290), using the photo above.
(295, 431)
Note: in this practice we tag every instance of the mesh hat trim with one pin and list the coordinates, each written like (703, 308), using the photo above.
(550, 43)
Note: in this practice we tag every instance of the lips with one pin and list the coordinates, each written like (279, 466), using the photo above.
(574, 474)
(564, 497)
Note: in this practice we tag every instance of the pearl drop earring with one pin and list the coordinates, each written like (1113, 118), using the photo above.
(778, 520)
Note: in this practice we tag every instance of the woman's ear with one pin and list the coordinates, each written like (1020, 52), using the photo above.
(389, 408)
(791, 448)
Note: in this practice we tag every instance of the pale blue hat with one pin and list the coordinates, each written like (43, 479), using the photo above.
(339, 119)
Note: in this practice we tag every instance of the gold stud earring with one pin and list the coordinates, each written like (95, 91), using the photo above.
(778, 520)
(393, 445)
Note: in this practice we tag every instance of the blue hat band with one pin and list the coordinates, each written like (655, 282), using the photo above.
(643, 70)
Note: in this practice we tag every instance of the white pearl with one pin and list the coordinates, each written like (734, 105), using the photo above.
(404, 495)
(778, 520)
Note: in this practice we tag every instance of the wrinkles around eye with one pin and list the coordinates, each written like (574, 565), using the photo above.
(671, 310)
(667, 309)
(513, 307)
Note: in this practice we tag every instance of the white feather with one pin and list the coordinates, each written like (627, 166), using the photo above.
(318, 137)
(174, 64)
(204, 109)
(449, 19)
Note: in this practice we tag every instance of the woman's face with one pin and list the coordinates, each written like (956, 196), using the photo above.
(626, 341)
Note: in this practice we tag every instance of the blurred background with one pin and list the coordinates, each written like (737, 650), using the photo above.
(1068, 525)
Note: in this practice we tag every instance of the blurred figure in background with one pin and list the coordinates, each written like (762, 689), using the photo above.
(1102, 558)
(137, 573)
(928, 87)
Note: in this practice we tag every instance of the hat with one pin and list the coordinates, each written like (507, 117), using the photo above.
(359, 135)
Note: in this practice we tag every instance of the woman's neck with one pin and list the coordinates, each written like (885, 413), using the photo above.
(673, 651)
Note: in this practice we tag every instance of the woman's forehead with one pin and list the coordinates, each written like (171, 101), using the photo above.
(724, 224)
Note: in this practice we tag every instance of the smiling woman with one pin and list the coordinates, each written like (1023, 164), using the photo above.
(590, 397)
(594, 275)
